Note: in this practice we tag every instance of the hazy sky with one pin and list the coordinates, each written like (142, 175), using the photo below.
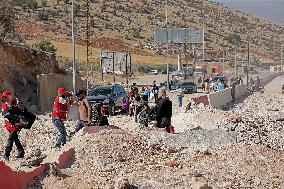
(270, 9)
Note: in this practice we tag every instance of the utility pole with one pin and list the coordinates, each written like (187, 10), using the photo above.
(223, 65)
(88, 42)
(73, 44)
(235, 62)
(248, 69)
(167, 58)
(203, 39)
(113, 67)
(281, 58)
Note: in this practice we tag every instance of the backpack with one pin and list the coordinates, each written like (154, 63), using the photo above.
(20, 116)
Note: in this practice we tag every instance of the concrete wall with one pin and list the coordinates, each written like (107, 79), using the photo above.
(220, 99)
(47, 87)
(241, 91)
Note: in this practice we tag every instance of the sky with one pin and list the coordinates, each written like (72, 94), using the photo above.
(269, 9)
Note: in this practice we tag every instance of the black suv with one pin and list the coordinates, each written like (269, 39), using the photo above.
(110, 96)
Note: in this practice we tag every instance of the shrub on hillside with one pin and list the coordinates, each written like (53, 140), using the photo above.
(44, 3)
(45, 46)
(43, 15)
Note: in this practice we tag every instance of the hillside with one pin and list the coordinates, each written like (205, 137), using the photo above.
(129, 24)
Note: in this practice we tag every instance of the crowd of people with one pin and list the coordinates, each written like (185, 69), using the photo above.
(137, 104)
(76, 107)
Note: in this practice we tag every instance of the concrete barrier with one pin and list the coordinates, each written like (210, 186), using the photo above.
(10, 179)
(220, 99)
(241, 91)
(66, 158)
(47, 87)
(201, 100)
(95, 129)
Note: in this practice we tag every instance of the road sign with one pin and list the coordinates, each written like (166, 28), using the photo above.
(178, 35)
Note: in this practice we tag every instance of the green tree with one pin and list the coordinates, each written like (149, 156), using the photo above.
(32, 4)
(45, 46)
(136, 32)
(44, 3)
(103, 7)
(234, 39)
(43, 15)
(76, 9)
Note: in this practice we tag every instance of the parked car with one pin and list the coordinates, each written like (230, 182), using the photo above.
(154, 72)
(188, 87)
(111, 96)
(179, 73)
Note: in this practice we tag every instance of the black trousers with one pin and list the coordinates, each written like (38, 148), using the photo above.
(164, 122)
(14, 138)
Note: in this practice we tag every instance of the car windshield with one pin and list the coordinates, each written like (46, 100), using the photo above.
(101, 91)
(187, 84)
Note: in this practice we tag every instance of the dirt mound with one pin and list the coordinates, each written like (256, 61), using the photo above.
(20, 65)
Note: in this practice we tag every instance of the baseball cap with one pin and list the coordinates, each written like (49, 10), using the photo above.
(61, 90)
(6, 94)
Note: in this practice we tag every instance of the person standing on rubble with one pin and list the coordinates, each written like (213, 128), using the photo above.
(164, 112)
(13, 128)
(59, 115)
(85, 111)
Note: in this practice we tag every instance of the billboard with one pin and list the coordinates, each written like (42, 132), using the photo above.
(117, 62)
(178, 35)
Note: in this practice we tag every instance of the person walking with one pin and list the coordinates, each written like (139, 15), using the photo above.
(164, 111)
(13, 127)
(155, 91)
(145, 94)
(180, 97)
(59, 115)
(85, 111)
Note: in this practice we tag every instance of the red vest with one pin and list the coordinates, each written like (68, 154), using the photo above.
(8, 125)
(59, 110)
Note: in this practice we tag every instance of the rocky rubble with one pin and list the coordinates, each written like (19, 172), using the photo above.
(238, 148)
(259, 122)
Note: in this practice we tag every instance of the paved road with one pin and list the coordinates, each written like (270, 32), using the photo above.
(275, 85)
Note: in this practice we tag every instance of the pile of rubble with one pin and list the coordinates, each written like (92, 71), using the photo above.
(259, 120)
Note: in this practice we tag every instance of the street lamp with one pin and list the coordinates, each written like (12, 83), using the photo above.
(73, 44)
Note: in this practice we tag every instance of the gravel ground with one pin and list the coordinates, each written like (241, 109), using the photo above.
(238, 148)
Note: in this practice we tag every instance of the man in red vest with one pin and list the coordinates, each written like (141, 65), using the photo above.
(59, 114)
(13, 129)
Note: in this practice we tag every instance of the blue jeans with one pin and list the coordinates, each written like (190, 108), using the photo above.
(61, 139)
(80, 125)
(180, 101)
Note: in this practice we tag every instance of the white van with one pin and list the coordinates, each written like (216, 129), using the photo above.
(154, 72)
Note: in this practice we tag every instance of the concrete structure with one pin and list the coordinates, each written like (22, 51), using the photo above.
(241, 91)
(220, 99)
(47, 87)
